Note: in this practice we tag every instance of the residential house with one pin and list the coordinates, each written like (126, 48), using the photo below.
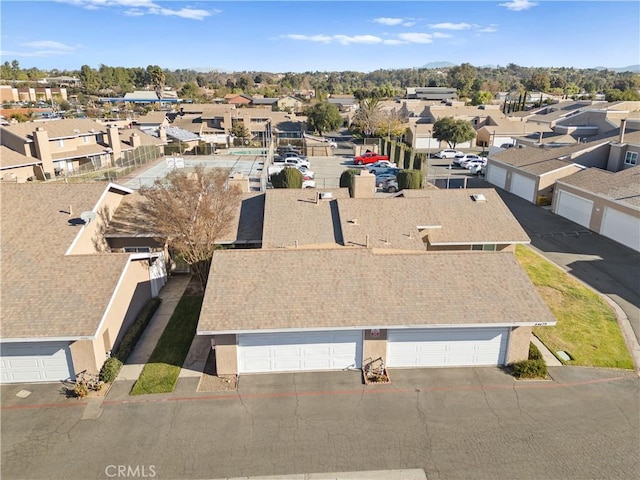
(67, 145)
(66, 301)
(341, 281)
(290, 104)
(240, 99)
(432, 93)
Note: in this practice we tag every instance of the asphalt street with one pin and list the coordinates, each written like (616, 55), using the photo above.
(469, 423)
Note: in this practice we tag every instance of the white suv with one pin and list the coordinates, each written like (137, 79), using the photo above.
(448, 153)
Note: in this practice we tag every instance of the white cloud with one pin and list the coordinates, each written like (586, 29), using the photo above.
(388, 21)
(137, 8)
(41, 48)
(342, 39)
(488, 29)
(391, 41)
(441, 35)
(451, 26)
(518, 5)
(416, 37)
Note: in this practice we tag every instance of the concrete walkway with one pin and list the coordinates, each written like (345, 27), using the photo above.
(549, 358)
(170, 294)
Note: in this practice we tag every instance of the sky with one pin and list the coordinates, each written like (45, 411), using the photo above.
(330, 35)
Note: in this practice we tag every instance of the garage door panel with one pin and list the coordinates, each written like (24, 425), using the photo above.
(497, 176)
(524, 187)
(35, 362)
(283, 352)
(574, 208)
(447, 347)
(621, 227)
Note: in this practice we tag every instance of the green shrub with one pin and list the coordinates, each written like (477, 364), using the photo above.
(529, 369)
(346, 179)
(287, 178)
(534, 352)
(411, 179)
(135, 330)
(110, 369)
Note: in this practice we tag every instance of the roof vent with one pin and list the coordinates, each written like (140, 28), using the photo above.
(479, 197)
(353, 221)
(325, 195)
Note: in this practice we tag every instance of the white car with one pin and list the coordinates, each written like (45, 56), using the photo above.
(448, 153)
(296, 162)
(373, 167)
(460, 160)
(308, 184)
(306, 173)
(482, 161)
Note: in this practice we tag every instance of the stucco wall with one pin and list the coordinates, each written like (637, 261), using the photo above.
(374, 347)
(19, 174)
(133, 292)
(519, 340)
(226, 354)
(90, 239)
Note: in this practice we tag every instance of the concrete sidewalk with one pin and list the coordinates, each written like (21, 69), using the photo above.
(170, 294)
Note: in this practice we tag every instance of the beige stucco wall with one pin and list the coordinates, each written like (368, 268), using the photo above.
(132, 293)
(226, 354)
(519, 340)
(90, 239)
(364, 185)
(548, 180)
(20, 174)
(374, 347)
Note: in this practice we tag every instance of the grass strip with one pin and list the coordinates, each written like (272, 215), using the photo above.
(587, 327)
(160, 374)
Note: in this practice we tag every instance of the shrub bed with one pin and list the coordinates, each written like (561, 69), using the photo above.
(529, 369)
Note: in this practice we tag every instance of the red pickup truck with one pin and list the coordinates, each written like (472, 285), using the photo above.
(369, 157)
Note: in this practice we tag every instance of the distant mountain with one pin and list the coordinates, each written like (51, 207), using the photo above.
(439, 65)
(630, 68)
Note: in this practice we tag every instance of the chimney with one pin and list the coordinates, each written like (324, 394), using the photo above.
(135, 140)
(364, 185)
(623, 125)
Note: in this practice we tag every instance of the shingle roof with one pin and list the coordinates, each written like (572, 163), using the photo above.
(10, 158)
(45, 294)
(292, 215)
(65, 128)
(253, 290)
(452, 216)
(623, 186)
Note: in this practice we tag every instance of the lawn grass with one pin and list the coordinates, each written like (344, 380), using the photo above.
(160, 374)
(587, 327)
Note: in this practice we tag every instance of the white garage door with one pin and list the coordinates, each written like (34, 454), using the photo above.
(447, 347)
(621, 227)
(524, 187)
(496, 176)
(576, 209)
(35, 362)
(299, 351)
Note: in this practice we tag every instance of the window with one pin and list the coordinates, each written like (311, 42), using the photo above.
(631, 158)
(85, 139)
(486, 248)
(137, 249)
(61, 142)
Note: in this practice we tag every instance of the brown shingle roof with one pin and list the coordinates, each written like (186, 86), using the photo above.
(64, 128)
(43, 293)
(261, 290)
(292, 215)
(455, 217)
(623, 186)
(10, 158)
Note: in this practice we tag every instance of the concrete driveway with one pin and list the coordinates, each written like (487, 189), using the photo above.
(452, 423)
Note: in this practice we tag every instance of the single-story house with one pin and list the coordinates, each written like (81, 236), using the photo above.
(341, 281)
(66, 300)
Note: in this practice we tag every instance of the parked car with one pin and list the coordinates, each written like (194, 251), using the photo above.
(306, 173)
(296, 162)
(294, 154)
(308, 184)
(369, 157)
(380, 164)
(390, 185)
(460, 160)
(381, 178)
(471, 163)
(448, 153)
(477, 170)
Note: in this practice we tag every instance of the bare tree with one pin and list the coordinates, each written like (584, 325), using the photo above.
(192, 210)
